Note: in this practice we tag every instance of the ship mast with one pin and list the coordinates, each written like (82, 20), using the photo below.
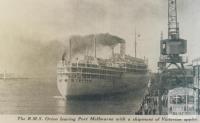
(136, 35)
(70, 49)
(95, 53)
(135, 43)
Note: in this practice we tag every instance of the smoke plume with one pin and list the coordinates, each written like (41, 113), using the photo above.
(80, 44)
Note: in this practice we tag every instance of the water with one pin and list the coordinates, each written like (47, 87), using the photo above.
(41, 97)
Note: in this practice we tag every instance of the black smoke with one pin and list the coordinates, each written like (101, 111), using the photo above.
(80, 44)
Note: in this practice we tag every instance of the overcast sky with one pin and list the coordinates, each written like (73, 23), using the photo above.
(47, 20)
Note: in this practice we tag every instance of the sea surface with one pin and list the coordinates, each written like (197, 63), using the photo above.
(41, 97)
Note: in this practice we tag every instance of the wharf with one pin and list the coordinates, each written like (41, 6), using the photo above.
(151, 103)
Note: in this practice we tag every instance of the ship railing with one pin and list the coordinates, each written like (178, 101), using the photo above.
(88, 73)
(111, 66)
(120, 70)
(79, 72)
(137, 69)
(107, 73)
(112, 69)
(96, 76)
(101, 68)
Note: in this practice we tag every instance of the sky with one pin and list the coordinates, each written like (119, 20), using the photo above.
(29, 27)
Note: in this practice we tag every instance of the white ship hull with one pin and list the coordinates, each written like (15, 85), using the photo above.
(129, 82)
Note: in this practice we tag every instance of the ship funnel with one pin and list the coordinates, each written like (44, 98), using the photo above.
(95, 51)
(63, 56)
(122, 49)
(112, 48)
(70, 50)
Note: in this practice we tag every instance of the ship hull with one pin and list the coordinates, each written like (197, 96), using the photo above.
(129, 82)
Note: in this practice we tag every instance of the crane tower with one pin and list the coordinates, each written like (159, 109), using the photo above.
(173, 48)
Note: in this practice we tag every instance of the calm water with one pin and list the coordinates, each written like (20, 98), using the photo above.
(42, 97)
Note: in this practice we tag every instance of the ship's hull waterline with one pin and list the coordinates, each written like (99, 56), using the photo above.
(129, 82)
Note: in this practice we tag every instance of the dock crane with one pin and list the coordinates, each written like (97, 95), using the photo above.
(172, 52)
(173, 48)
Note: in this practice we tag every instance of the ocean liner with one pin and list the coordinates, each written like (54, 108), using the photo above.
(91, 75)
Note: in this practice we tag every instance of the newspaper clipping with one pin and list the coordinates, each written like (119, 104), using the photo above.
(99, 61)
